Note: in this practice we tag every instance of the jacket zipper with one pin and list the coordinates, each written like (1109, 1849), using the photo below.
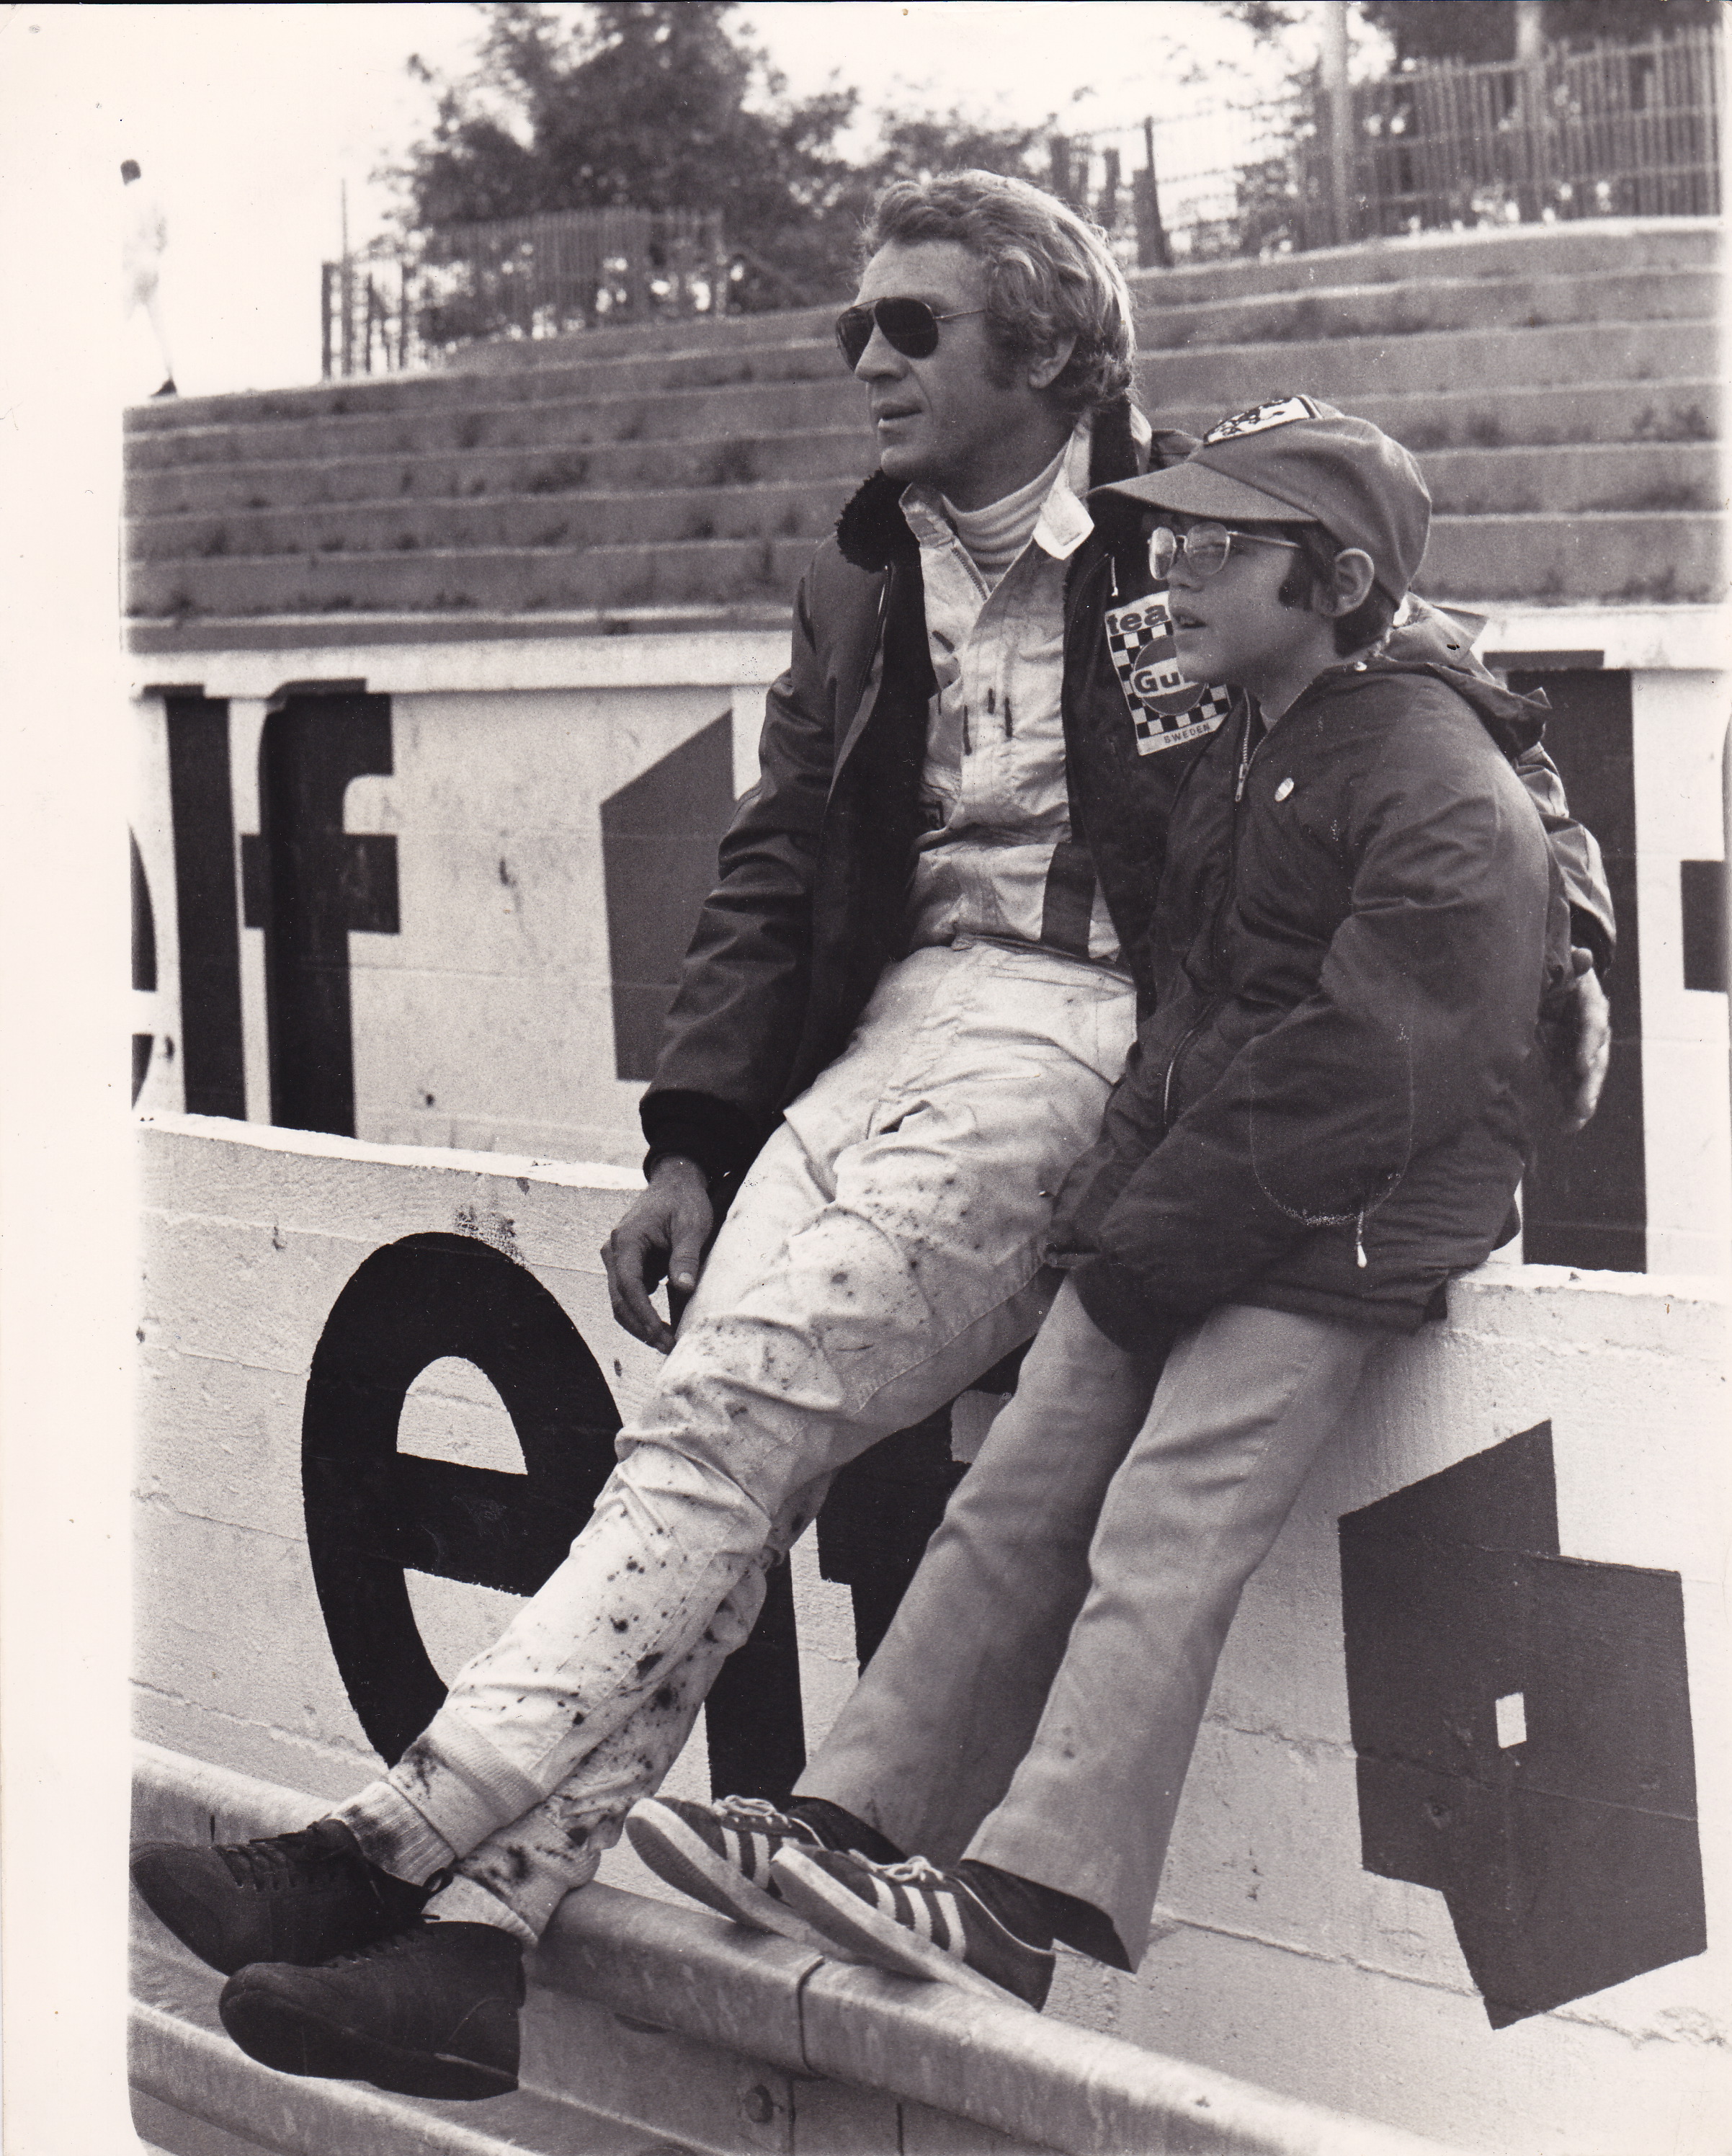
(1178, 1055)
(1247, 757)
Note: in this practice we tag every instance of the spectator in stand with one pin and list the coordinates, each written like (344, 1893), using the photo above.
(142, 240)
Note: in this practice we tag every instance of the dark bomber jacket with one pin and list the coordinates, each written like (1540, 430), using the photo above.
(815, 866)
(1324, 1111)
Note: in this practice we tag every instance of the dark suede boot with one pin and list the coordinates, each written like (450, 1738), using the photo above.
(433, 2011)
(294, 1897)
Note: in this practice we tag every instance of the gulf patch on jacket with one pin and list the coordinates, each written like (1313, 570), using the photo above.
(1165, 709)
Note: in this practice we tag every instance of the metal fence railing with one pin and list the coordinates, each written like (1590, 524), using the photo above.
(1614, 131)
(1611, 131)
(394, 306)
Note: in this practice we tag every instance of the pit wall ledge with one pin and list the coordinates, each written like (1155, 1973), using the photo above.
(1045, 2085)
(401, 655)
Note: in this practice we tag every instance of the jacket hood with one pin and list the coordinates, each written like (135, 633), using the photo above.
(1432, 640)
(872, 532)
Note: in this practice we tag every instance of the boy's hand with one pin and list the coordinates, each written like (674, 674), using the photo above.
(1576, 1033)
(661, 1233)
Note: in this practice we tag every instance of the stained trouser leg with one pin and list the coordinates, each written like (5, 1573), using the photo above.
(519, 1875)
(923, 1160)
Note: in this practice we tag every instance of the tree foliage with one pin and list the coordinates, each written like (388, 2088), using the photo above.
(1264, 19)
(1485, 29)
(657, 104)
(650, 103)
(918, 145)
(1421, 30)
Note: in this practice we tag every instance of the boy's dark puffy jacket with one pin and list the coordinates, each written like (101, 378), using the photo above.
(1324, 1113)
(815, 866)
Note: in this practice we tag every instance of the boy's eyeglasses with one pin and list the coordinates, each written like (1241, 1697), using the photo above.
(909, 327)
(1205, 547)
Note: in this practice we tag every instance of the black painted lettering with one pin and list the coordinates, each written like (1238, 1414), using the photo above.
(374, 1513)
(1523, 1725)
(658, 840)
(371, 1511)
(201, 806)
(144, 962)
(1702, 892)
(1584, 1199)
(308, 883)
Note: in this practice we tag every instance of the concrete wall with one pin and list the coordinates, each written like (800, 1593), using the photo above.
(1466, 1727)
(1679, 735)
(502, 875)
(551, 811)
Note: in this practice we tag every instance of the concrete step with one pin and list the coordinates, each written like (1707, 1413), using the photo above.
(1301, 316)
(785, 509)
(749, 409)
(1185, 307)
(1574, 249)
(1484, 384)
(1561, 385)
(1493, 417)
(518, 362)
(1646, 558)
(1636, 556)
(529, 580)
(1531, 250)
(803, 347)
(1464, 482)
(1618, 415)
(589, 379)
(472, 475)
(1339, 369)
(1608, 477)
(697, 334)
(1420, 304)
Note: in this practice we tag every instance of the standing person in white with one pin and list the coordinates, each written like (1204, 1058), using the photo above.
(143, 237)
(903, 1010)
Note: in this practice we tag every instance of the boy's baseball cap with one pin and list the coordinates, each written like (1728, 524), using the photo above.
(1293, 461)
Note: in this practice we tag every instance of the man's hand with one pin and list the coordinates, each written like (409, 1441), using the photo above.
(662, 1234)
(1576, 1035)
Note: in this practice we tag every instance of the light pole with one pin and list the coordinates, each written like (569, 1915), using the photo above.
(1339, 95)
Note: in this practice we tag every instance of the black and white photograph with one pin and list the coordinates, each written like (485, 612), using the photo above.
(892, 1318)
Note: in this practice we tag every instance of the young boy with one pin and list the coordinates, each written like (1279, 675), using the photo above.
(1320, 1124)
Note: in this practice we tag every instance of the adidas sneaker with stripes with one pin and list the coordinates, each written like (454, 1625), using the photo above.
(914, 1920)
(721, 1855)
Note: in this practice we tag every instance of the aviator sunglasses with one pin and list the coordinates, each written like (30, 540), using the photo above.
(1205, 547)
(909, 327)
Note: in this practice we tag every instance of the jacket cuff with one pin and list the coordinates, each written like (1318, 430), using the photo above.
(715, 1134)
(1120, 1304)
(1588, 932)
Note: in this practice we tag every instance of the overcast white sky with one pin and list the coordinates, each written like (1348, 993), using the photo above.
(248, 119)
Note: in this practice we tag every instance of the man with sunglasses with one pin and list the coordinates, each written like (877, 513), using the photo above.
(902, 1012)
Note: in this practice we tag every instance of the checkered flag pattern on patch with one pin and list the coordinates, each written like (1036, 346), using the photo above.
(1277, 412)
(1166, 710)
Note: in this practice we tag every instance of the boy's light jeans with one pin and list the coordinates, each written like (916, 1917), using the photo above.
(882, 1253)
(1036, 1702)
